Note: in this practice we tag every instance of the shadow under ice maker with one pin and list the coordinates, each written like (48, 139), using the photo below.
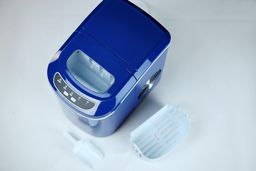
(108, 65)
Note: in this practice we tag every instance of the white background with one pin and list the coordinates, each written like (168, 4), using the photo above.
(210, 71)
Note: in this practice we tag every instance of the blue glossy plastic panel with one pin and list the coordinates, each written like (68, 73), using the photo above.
(128, 32)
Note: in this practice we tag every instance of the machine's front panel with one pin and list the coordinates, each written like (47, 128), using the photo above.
(70, 95)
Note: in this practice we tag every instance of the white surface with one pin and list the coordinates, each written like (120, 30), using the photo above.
(210, 71)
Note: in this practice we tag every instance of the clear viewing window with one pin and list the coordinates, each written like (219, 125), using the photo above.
(89, 73)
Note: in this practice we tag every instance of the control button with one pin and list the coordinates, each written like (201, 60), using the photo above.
(59, 80)
(73, 99)
(65, 93)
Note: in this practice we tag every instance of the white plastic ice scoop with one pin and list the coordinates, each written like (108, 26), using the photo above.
(85, 150)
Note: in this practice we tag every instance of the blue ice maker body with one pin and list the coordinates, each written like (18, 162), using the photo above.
(108, 65)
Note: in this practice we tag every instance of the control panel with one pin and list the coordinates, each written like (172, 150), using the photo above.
(70, 95)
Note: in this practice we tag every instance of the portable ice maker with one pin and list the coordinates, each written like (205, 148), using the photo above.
(108, 65)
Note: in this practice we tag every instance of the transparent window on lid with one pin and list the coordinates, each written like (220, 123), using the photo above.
(89, 73)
